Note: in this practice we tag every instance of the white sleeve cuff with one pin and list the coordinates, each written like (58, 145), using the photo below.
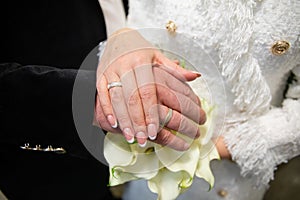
(261, 144)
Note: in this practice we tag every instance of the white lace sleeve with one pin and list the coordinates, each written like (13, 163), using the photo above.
(260, 144)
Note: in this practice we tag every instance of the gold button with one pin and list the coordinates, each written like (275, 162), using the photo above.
(222, 193)
(171, 26)
(280, 48)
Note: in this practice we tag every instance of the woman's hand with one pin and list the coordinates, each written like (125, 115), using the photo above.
(222, 148)
(186, 114)
(139, 98)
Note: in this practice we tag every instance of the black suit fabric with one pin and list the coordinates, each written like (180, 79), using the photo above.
(43, 44)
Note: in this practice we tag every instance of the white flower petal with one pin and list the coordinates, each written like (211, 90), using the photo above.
(117, 151)
(187, 161)
(169, 172)
(166, 155)
(207, 129)
(146, 165)
(208, 152)
(168, 185)
(118, 176)
(129, 161)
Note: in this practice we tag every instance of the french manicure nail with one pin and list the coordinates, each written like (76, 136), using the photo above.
(152, 131)
(112, 121)
(143, 145)
(140, 137)
(129, 135)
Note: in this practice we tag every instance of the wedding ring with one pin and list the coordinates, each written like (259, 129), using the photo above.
(168, 117)
(114, 84)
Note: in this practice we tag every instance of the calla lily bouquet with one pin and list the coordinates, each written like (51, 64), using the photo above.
(168, 172)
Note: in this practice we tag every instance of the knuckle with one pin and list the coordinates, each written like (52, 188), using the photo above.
(152, 114)
(123, 121)
(137, 121)
(106, 108)
(134, 99)
(164, 138)
(116, 95)
(187, 106)
(194, 131)
(187, 91)
(147, 93)
(149, 118)
(137, 118)
(140, 58)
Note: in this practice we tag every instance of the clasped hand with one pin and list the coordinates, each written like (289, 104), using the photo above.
(143, 95)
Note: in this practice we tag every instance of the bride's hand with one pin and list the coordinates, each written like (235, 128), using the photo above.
(137, 98)
(221, 147)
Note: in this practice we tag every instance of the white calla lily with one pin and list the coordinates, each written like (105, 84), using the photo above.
(208, 153)
(117, 176)
(129, 161)
(207, 129)
(169, 172)
(146, 165)
(186, 161)
(117, 152)
(168, 185)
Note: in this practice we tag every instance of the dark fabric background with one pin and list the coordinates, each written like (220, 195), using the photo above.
(43, 43)
(54, 33)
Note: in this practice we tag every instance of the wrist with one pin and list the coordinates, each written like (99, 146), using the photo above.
(122, 30)
(121, 43)
(222, 148)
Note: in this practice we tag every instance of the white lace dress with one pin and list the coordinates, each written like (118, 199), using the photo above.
(256, 45)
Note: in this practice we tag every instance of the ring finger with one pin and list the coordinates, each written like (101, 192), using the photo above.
(119, 106)
(178, 122)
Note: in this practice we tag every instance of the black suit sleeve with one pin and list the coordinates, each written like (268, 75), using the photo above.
(36, 106)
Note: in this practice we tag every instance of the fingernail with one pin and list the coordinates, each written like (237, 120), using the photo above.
(141, 136)
(128, 135)
(112, 121)
(152, 131)
(143, 145)
(197, 73)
